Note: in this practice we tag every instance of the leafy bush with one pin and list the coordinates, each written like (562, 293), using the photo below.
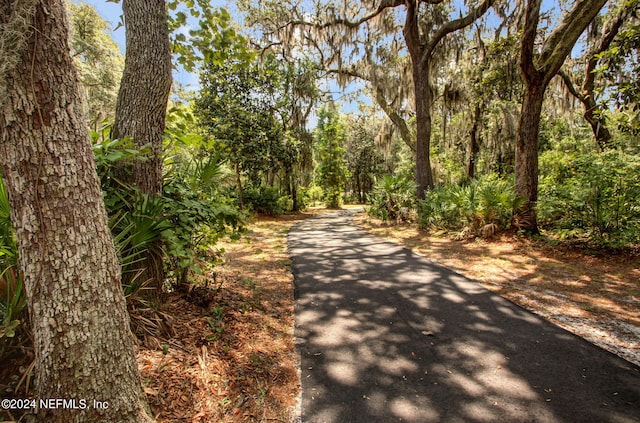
(13, 297)
(592, 195)
(312, 194)
(13, 302)
(195, 223)
(191, 215)
(392, 198)
(481, 207)
(266, 200)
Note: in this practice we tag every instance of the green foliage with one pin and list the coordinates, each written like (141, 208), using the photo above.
(13, 301)
(13, 297)
(392, 198)
(588, 194)
(266, 200)
(210, 37)
(237, 106)
(311, 195)
(620, 67)
(196, 221)
(8, 248)
(98, 60)
(190, 216)
(332, 169)
(481, 207)
(364, 158)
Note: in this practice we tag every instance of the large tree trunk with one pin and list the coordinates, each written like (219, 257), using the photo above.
(537, 70)
(84, 347)
(141, 108)
(526, 171)
(424, 100)
(421, 51)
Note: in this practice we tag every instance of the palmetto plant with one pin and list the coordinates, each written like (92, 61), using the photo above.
(136, 228)
(392, 198)
(13, 298)
(481, 207)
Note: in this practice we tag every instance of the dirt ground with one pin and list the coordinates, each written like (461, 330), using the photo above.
(233, 358)
(222, 352)
(593, 294)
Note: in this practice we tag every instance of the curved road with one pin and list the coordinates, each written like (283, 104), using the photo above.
(385, 335)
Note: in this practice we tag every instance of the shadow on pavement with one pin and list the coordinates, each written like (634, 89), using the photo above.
(385, 335)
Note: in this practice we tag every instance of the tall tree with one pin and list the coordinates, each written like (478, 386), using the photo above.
(537, 71)
(98, 60)
(593, 113)
(84, 348)
(336, 29)
(365, 161)
(421, 46)
(142, 105)
(332, 167)
(237, 106)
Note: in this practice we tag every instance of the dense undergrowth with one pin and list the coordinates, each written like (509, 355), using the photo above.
(584, 196)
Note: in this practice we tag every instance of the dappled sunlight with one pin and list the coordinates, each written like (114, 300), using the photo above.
(343, 373)
(599, 293)
(389, 336)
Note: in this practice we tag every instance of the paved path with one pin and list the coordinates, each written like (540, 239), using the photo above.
(385, 335)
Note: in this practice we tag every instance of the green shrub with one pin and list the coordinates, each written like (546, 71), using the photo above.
(13, 297)
(195, 223)
(590, 195)
(481, 207)
(392, 198)
(313, 194)
(266, 200)
(190, 216)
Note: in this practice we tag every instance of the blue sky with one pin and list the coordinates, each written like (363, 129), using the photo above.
(111, 12)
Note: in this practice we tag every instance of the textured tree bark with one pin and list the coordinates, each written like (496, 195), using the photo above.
(526, 171)
(537, 70)
(142, 105)
(84, 348)
(420, 54)
(424, 101)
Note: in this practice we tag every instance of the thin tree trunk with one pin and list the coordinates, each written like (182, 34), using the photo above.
(474, 145)
(294, 195)
(239, 183)
(444, 122)
(592, 114)
(84, 347)
(141, 109)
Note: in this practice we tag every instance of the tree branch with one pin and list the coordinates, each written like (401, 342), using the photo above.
(527, 42)
(410, 30)
(397, 120)
(458, 24)
(559, 44)
(570, 85)
(384, 4)
(608, 35)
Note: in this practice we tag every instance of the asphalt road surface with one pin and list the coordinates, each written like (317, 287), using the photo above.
(385, 335)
